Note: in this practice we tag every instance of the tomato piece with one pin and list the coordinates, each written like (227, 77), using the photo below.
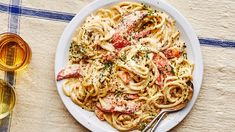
(130, 21)
(155, 56)
(113, 103)
(160, 81)
(71, 71)
(163, 65)
(119, 42)
(142, 34)
(131, 96)
(164, 69)
(172, 53)
(125, 77)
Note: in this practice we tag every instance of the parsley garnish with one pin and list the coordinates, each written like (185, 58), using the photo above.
(118, 93)
(123, 57)
(133, 57)
(108, 64)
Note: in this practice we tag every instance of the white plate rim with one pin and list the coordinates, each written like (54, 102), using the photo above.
(78, 19)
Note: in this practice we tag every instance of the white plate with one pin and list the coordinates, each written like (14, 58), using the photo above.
(88, 119)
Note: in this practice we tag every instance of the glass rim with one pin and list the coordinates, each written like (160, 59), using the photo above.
(7, 37)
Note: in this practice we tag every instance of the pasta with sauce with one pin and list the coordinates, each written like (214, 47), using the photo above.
(126, 63)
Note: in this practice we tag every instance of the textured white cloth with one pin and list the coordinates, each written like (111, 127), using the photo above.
(39, 108)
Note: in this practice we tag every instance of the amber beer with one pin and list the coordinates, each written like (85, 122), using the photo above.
(15, 53)
(7, 98)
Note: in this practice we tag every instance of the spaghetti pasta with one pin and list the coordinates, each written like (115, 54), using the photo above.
(126, 63)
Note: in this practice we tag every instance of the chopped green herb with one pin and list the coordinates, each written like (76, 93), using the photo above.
(108, 64)
(150, 12)
(123, 57)
(172, 71)
(143, 125)
(185, 55)
(147, 56)
(153, 21)
(118, 93)
(133, 57)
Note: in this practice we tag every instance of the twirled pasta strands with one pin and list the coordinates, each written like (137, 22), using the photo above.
(132, 63)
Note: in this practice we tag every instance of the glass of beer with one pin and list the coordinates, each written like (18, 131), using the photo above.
(15, 55)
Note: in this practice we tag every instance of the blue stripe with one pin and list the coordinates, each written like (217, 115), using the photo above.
(4, 8)
(67, 17)
(43, 14)
(58, 16)
(13, 26)
(13, 16)
(217, 42)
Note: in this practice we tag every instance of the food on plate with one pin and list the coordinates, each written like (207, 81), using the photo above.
(126, 63)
